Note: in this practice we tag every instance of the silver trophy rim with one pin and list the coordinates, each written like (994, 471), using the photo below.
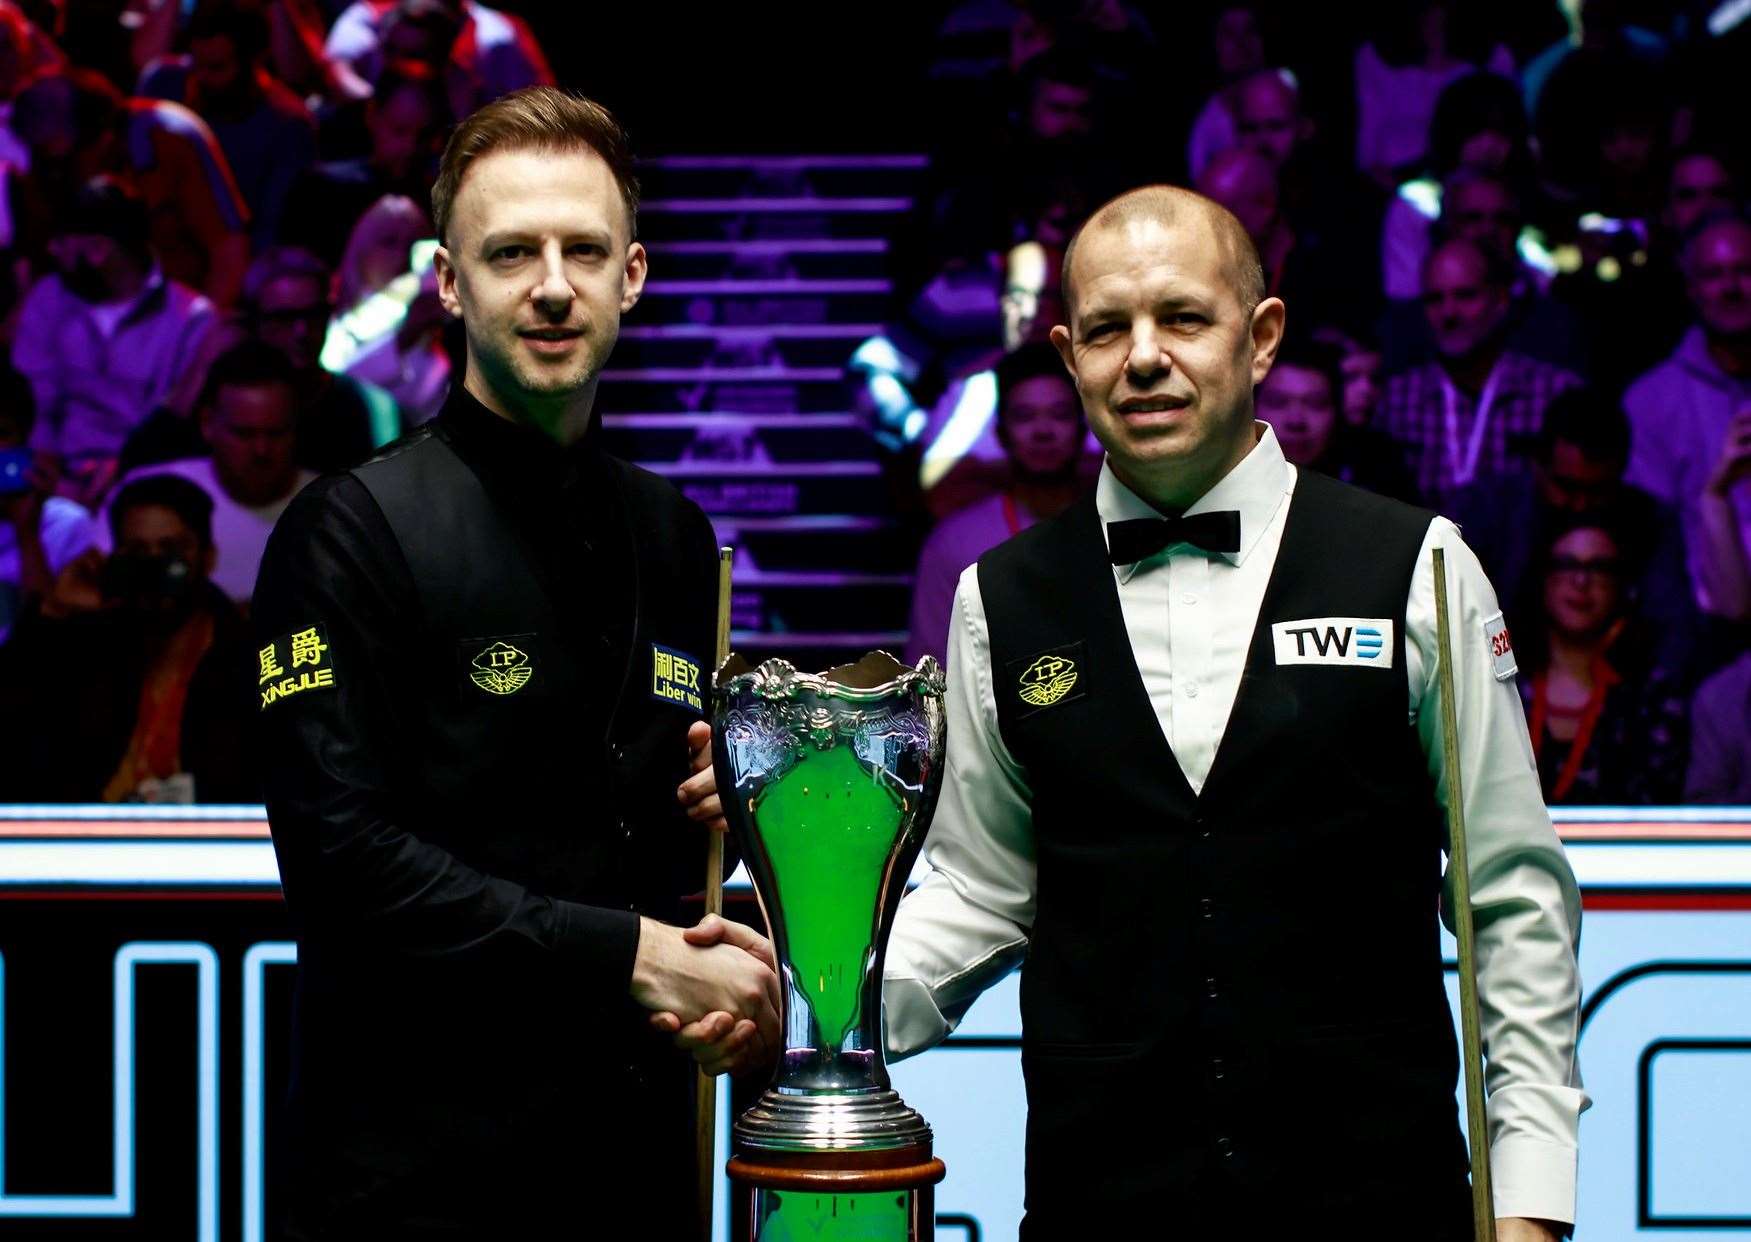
(778, 678)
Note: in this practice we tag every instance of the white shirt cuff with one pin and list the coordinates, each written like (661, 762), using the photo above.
(1533, 1178)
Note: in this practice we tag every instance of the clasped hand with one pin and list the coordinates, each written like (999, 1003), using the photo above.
(714, 986)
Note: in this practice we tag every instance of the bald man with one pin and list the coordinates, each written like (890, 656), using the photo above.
(1194, 788)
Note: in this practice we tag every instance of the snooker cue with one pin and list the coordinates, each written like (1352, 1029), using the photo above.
(1483, 1211)
(705, 1118)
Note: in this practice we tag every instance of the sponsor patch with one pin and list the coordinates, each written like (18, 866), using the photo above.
(1359, 642)
(294, 664)
(1050, 678)
(675, 678)
(1500, 645)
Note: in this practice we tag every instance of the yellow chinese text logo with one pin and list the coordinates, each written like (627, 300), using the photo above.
(501, 669)
(1047, 680)
(675, 678)
(307, 653)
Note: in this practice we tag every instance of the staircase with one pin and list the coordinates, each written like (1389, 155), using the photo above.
(766, 273)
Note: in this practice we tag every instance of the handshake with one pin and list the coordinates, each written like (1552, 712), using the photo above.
(713, 987)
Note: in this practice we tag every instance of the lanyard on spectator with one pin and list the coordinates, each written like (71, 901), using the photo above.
(1010, 517)
(1465, 468)
(1604, 677)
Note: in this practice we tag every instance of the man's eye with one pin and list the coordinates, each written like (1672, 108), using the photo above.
(587, 249)
(510, 252)
(1100, 330)
(1184, 318)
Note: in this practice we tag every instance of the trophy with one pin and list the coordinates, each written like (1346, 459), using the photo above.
(828, 781)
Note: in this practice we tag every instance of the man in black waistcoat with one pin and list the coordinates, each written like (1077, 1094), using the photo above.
(482, 681)
(1193, 780)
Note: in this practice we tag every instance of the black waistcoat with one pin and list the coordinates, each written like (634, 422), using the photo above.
(1253, 973)
(506, 1086)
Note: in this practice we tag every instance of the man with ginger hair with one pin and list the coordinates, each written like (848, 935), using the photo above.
(482, 676)
(1193, 789)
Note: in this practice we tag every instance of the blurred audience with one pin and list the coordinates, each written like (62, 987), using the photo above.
(1577, 470)
(1720, 738)
(1302, 398)
(481, 52)
(132, 681)
(77, 126)
(1474, 411)
(264, 129)
(40, 532)
(388, 326)
(1040, 426)
(1607, 718)
(248, 418)
(342, 420)
(106, 338)
(404, 120)
(1688, 413)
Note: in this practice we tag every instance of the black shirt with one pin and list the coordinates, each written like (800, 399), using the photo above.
(466, 860)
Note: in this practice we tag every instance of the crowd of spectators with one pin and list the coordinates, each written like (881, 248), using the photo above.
(216, 285)
(1511, 237)
(1513, 246)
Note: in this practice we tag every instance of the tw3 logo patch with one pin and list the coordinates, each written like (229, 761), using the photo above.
(1361, 642)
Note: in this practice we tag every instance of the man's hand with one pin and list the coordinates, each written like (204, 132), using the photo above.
(719, 1041)
(1520, 1229)
(698, 793)
(717, 966)
(1733, 467)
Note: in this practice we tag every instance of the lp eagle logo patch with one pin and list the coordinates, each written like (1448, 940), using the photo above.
(1047, 680)
(501, 669)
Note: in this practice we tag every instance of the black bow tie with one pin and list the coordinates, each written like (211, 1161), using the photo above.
(1141, 538)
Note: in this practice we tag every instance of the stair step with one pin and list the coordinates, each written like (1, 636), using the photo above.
(768, 246)
(784, 163)
(797, 286)
(806, 204)
(778, 438)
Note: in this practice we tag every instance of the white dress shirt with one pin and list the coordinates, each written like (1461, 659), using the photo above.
(966, 925)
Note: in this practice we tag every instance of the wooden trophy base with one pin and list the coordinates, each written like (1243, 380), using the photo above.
(873, 1196)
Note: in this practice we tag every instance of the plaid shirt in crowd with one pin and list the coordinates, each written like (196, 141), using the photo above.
(1413, 411)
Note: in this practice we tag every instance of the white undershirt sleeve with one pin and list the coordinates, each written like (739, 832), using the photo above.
(1526, 907)
(966, 925)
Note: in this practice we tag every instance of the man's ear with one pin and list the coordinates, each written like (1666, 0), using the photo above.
(1060, 337)
(637, 267)
(1268, 318)
(445, 270)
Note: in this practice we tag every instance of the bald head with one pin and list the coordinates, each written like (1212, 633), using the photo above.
(1174, 207)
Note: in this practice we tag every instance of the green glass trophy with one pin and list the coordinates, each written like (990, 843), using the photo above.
(828, 782)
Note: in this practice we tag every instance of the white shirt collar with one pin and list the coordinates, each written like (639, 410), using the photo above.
(1256, 488)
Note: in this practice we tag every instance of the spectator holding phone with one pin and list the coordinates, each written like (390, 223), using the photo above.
(131, 682)
(39, 531)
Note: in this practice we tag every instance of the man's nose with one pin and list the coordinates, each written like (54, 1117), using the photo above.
(1146, 357)
(554, 291)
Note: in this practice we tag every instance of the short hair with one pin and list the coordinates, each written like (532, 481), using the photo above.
(167, 491)
(278, 262)
(107, 207)
(1469, 106)
(541, 118)
(1496, 270)
(247, 364)
(1165, 203)
(1026, 362)
(1307, 354)
(1590, 420)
